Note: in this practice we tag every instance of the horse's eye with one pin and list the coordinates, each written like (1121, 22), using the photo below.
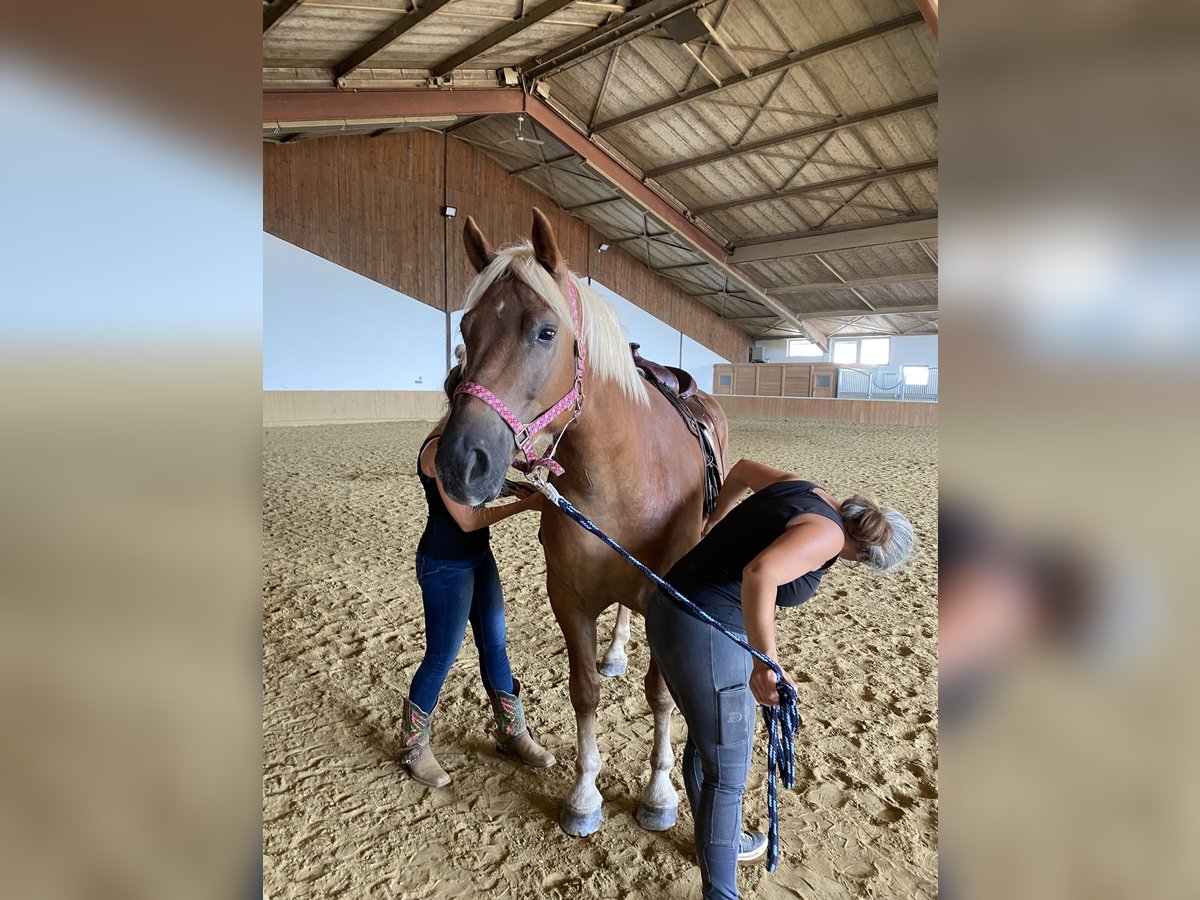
(546, 335)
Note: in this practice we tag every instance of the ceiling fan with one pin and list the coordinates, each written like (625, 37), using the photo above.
(520, 135)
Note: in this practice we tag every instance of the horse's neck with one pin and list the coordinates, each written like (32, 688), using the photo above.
(593, 452)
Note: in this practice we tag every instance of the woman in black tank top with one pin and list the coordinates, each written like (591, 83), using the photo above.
(460, 583)
(770, 550)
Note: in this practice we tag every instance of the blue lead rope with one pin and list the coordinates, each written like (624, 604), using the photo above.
(782, 721)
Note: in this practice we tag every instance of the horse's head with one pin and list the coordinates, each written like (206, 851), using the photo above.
(519, 346)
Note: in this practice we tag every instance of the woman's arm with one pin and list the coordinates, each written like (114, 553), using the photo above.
(744, 475)
(471, 518)
(799, 550)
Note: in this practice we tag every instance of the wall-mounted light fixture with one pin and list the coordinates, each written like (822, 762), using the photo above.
(602, 247)
(449, 211)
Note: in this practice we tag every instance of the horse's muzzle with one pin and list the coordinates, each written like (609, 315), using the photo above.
(474, 454)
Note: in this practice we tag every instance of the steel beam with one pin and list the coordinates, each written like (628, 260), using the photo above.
(596, 40)
(818, 186)
(499, 36)
(601, 202)
(795, 58)
(275, 13)
(929, 9)
(365, 106)
(881, 311)
(811, 131)
(849, 284)
(894, 231)
(645, 197)
(385, 38)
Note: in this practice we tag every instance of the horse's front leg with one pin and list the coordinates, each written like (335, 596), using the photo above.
(660, 802)
(581, 813)
(615, 660)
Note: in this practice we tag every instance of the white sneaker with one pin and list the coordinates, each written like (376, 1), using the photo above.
(752, 845)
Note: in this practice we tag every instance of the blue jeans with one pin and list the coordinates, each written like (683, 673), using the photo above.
(708, 676)
(453, 592)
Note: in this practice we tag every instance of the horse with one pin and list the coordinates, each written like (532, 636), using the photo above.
(539, 337)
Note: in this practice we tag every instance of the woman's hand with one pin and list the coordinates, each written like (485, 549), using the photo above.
(763, 684)
(712, 521)
(518, 489)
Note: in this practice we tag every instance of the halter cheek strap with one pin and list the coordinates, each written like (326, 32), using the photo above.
(523, 434)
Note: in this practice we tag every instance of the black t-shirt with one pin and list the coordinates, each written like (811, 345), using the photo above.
(711, 573)
(442, 538)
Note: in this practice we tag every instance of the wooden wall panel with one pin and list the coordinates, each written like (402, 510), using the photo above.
(370, 205)
(502, 207)
(878, 412)
(797, 380)
(628, 276)
(770, 381)
(745, 378)
(374, 206)
(331, 407)
(720, 371)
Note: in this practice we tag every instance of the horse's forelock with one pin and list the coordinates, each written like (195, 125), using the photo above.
(607, 346)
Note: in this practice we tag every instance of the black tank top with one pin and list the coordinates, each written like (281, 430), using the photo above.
(442, 538)
(712, 570)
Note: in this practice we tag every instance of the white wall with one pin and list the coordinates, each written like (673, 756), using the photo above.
(906, 350)
(914, 350)
(326, 328)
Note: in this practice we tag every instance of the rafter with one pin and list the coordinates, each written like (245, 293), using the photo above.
(822, 128)
(878, 311)
(601, 202)
(817, 186)
(386, 38)
(275, 13)
(873, 281)
(499, 36)
(596, 40)
(795, 58)
(893, 231)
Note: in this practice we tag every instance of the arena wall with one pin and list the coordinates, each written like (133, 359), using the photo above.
(879, 412)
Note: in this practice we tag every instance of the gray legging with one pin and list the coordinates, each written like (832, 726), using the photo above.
(708, 676)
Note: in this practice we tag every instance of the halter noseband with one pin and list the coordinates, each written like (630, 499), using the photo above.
(523, 434)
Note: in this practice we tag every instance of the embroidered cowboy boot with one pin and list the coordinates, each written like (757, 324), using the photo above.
(416, 754)
(513, 737)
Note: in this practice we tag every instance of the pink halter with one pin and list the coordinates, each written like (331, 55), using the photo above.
(523, 434)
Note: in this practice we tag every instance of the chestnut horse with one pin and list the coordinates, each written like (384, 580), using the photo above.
(533, 330)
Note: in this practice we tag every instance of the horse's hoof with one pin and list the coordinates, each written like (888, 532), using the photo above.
(656, 818)
(579, 824)
(613, 668)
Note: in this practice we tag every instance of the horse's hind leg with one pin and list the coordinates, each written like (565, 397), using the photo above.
(615, 660)
(660, 802)
(581, 814)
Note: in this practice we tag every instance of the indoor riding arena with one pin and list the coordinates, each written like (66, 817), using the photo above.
(750, 188)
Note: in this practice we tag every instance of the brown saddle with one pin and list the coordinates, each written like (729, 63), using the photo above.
(680, 390)
(676, 381)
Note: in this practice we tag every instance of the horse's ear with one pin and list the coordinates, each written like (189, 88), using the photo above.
(479, 251)
(545, 249)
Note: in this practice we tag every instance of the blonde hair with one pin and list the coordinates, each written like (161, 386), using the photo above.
(601, 333)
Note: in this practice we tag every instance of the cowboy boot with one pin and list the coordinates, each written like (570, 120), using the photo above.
(513, 737)
(416, 754)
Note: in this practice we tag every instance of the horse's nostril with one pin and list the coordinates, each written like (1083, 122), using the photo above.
(478, 466)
